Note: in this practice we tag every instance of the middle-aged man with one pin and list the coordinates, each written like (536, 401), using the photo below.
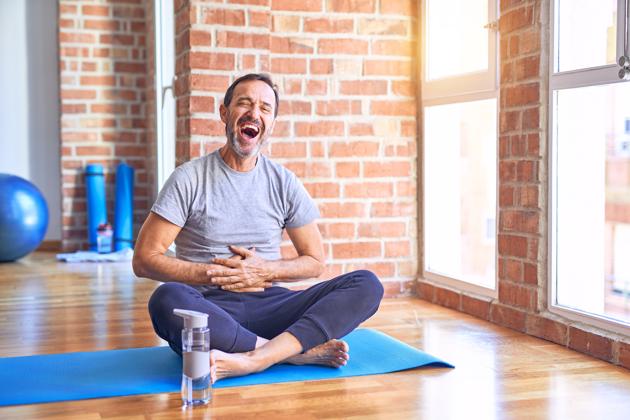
(226, 212)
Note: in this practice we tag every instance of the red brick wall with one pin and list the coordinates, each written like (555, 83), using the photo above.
(103, 69)
(347, 124)
(523, 188)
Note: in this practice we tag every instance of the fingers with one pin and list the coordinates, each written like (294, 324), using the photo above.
(228, 262)
(243, 252)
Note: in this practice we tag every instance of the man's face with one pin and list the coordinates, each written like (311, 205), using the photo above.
(249, 119)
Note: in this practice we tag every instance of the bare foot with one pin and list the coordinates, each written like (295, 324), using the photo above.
(224, 365)
(333, 353)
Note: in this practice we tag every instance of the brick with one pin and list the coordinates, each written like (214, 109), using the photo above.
(321, 66)
(342, 210)
(212, 83)
(624, 354)
(316, 87)
(519, 221)
(351, 6)
(531, 119)
(211, 61)
(327, 26)
(322, 128)
(297, 6)
(399, 7)
(292, 45)
(382, 229)
(425, 291)
(475, 306)
(517, 295)
(448, 298)
(242, 40)
(201, 104)
(288, 65)
(361, 129)
(92, 150)
(296, 108)
(387, 169)
(347, 169)
(91, 10)
(547, 329)
(382, 27)
(527, 68)
(380, 269)
(342, 46)
(356, 250)
(397, 249)
(76, 37)
(131, 67)
(354, 148)
(393, 108)
(393, 47)
(288, 150)
(206, 127)
(590, 343)
(323, 189)
(98, 80)
(363, 87)
(507, 171)
(337, 230)
(521, 95)
(228, 17)
(334, 107)
(511, 245)
(259, 18)
(513, 270)
(404, 88)
(507, 316)
(368, 190)
(109, 25)
(516, 19)
(526, 171)
(77, 94)
(200, 38)
(283, 23)
(387, 68)
(393, 209)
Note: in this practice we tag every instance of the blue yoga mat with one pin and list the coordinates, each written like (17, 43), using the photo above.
(110, 373)
(95, 192)
(123, 208)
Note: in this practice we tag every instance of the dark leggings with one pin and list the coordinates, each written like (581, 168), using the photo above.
(327, 310)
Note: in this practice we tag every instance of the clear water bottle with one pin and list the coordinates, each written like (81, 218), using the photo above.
(196, 382)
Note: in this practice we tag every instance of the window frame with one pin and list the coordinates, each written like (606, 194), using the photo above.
(452, 90)
(593, 76)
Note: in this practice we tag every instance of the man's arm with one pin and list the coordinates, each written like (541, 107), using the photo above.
(155, 236)
(253, 270)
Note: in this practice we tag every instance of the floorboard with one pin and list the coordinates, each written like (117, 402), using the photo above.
(50, 307)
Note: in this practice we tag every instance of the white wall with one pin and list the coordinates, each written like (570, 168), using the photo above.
(29, 99)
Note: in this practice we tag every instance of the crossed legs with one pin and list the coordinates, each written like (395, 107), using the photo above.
(252, 331)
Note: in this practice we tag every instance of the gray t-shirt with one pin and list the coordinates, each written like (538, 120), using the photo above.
(217, 206)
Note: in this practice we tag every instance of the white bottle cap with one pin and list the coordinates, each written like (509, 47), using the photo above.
(192, 319)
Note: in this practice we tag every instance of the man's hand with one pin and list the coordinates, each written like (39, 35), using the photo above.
(245, 271)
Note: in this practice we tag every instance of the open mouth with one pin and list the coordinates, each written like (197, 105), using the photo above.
(249, 131)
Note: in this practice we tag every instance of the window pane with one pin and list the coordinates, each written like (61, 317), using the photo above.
(587, 33)
(593, 199)
(460, 191)
(457, 42)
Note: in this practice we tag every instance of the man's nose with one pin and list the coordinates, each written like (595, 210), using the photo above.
(254, 112)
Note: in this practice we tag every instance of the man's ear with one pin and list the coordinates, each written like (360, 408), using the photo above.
(223, 113)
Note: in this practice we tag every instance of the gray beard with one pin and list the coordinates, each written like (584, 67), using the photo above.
(236, 146)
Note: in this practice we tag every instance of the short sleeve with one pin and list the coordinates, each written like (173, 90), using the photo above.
(173, 201)
(301, 209)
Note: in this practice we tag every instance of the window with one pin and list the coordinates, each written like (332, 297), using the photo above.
(590, 161)
(164, 78)
(459, 103)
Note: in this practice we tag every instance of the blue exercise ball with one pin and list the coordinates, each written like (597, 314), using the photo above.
(23, 217)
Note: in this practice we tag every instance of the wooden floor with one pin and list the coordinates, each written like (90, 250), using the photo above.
(49, 307)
